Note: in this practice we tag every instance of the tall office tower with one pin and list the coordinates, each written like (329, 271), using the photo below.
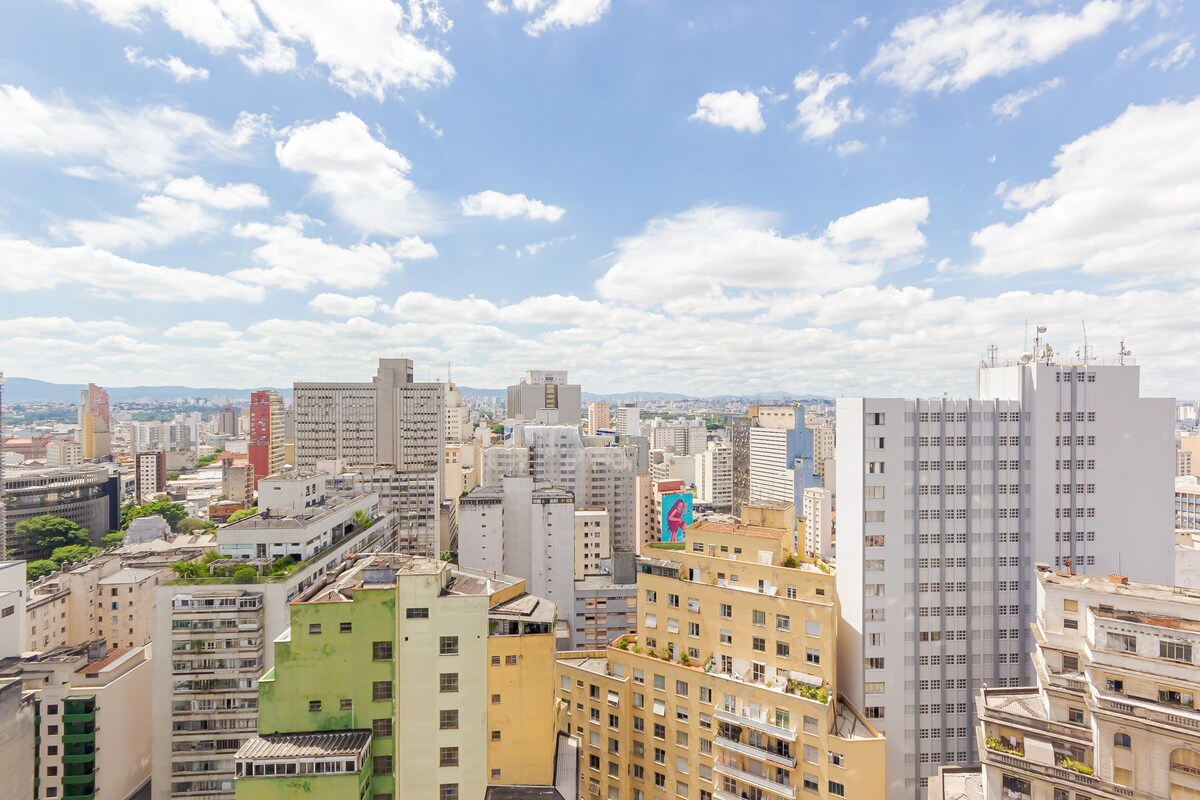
(266, 433)
(406, 678)
(334, 422)
(1112, 714)
(739, 442)
(714, 476)
(944, 507)
(227, 421)
(545, 396)
(628, 420)
(781, 455)
(95, 425)
(149, 475)
(527, 531)
(681, 437)
(216, 633)
(599, 417)
(817, 510)
(729, 689)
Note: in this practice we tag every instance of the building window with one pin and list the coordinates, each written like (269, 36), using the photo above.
(448, 757)
(759, 644)
(345, 627)
(381, 690)
(1175, 651)
(495, 736)
(726, 611)
(448, 791)
(1122, 740)
(381, 651)
(381, 727)
(836, 789)
(510, 660)
(416, 613)
(1122, 642)
(314, 705)
(448, 646)
(382, 765)
(346, 704)
(1075, 716)
(314, 628)
(448, 719)
(448, 682)
(495, 699)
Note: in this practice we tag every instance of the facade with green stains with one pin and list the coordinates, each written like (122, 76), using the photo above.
(408, 654)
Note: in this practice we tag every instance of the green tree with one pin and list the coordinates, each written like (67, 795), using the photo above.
(173, 475)
(195, 525)
(36, 569)
(237, 516)
(48, 532)
(189, 569)
(498, 429)
(73, 553)
(173, 513)
(244, 575)
(112, 539)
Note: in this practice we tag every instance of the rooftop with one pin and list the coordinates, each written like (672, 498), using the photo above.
(128, 575)
(1118, 585)
(300, 518)
(305, 745)
(957, 783)
(522, 793)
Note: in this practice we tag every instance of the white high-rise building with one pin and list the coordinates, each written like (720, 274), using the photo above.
(817, 510)
(599, 418)
(545, 396)
(681, 437)
(523, 530)
(714, 475)
(944, 507)
(628, 420)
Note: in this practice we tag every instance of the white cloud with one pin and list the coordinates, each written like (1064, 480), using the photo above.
(560, 14)
(201, 329)
(966, 43)
(1009, 106)
(817, 114)
(1138, 51)
(291, 260)
(45, 268)
(172, 65)
(849, 148)
(533, 248)
(1180, 56)
(741, 111)
(339, 305)
(862, 21)
(691, 259)
(490, 203)
(365, 180)
(430, 125)
(1123, 200)
(381, 46)
(184, 208)
(147, 141)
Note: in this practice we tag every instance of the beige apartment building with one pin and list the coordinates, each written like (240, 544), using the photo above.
(1113, 713)
(729, 688)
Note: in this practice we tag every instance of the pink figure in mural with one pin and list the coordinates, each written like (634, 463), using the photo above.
(675, 521)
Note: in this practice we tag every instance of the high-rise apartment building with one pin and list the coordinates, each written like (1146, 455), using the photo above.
(599, 417)
(149, 475)
(1112, 713)
(266, 433)
(729, 689)
(739, 443)
(95, 423)
(824, 446)
(64, 453)
(944, 506)
(227, 421)
(545, 396)
(681, 437)
(407, 678)
(714, 476)
(628, 420)
(817, 510)
(215, 632)
(781, 455)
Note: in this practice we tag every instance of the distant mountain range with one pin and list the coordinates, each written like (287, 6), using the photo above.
(30, 390)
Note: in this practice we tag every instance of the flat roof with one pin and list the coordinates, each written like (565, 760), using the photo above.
(305, 745)
(128, 575)
(1122, 587)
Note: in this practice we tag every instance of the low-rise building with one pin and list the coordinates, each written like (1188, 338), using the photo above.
(406, 677)
(729, 688)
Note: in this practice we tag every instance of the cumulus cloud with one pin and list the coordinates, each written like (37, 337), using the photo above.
(185, 207)
(1122, 201)
(733, 258)
(382, 46)
(292, 260)
(818, 115)
(849, 148)
(201, 329)
(144, 141)
(554, 14)
(1179, 57)
(490, 203)
(339, 305)
(102, 272)
(172, 65)
(1009, 106)
(741, 111)
(967, 42)
(365, 181)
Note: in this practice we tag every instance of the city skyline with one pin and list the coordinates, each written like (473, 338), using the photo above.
(855, 200)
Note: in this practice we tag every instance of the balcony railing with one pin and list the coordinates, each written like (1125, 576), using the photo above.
(754, 751)
(756, 723)
(761, 781)
(1144, 708)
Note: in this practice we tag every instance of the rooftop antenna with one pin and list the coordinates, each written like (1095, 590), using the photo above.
(1037, 341)
(1087, 353)
(991, 351)
(1124, 351)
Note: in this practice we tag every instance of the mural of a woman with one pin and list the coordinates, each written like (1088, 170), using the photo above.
(675, 522)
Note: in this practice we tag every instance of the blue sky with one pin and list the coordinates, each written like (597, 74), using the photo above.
(835, 198)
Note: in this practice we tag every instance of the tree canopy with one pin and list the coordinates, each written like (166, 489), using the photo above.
(36, 569)
(48, 532)
(73, 553)
(173, 513)
(237, 516)
(195, 525)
